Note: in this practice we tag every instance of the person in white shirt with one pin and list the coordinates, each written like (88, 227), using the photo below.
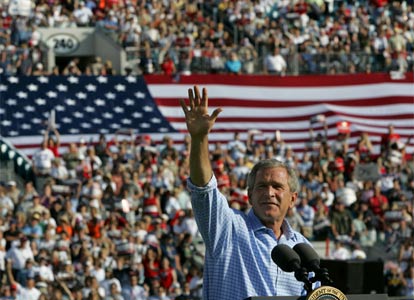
(236, 147)
(83, 15)
(18, 255)
(30, 292)
(275, 63)
(6, 203)
(135, 291)
(42, 160)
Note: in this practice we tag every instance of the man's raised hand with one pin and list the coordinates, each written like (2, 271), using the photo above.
(199, 122)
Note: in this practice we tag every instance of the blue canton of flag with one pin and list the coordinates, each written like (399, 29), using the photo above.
(82, 105)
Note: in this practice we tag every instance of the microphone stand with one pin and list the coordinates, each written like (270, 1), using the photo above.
(301, 274)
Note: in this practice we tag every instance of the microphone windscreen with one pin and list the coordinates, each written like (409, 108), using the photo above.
(286, 259)
(310, 259)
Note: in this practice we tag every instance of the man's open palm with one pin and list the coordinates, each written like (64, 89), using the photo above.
(199, 122)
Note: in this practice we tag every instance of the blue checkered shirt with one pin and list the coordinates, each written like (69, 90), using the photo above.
(238, 261)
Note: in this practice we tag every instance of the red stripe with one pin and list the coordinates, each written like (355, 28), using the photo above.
(270, 80)
(219, 102)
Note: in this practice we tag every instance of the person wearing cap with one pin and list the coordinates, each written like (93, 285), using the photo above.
(13, 191)
(236, 267)
(342, 221)
(33, 230)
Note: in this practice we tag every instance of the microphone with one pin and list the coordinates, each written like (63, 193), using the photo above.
(311, 261)
(289, 261)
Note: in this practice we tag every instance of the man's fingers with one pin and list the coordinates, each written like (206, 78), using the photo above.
(196, 96)
(204, 99)
(215, 113)
(191, 98)
(184, 106)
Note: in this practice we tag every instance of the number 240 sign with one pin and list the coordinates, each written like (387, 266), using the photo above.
(62, 43)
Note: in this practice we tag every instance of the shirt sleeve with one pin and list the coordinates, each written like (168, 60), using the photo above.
(213, 215)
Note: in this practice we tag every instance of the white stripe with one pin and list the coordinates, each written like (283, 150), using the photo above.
(319, 93)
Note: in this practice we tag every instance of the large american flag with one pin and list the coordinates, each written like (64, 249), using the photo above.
(86, 106)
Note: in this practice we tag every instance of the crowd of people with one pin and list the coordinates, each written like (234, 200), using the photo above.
(112, 219)
(240, 37)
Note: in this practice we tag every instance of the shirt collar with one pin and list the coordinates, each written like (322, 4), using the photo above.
(257, 225)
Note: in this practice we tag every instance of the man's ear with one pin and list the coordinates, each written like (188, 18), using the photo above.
(293, 199)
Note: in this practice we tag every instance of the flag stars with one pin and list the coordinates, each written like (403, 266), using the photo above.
(60, 108)
(11, 102)
(13, 79)
(22, 95)
(99, 102)
(90, 87)
(51, 94)
(118, 110)
(70, 102)
(6, 123)
(96, 121)
(18, 115)
(78, 115)
(102, 79)
(89, 109)
(62, 88)
(43, 79)
(140, 95)
(145, 125)
(107, 115)
(66, 120)
(131, 79)
(110, 95)
(120, 87)
(40, 101)
(73, 79)
(36, 121)
(26, 126)
(126, 121)
(32, 87)
(3, 88)
(115, 126)
(29, 108)
(129, 102)
(86, 125)
(147, 108)
(137, 115)
(81, 95)
(155, 120)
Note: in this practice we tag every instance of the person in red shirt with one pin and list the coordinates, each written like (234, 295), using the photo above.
(168, 275)
(390, 138)
(378, 203)
(151, 264)
(223, 179)
(52, 143)
(168, 66)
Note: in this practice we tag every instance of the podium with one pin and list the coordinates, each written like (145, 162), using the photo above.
(350, 297)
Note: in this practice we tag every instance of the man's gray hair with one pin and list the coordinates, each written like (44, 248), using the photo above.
(293, 181)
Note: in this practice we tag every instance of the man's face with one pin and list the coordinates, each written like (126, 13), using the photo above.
(271, 196)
